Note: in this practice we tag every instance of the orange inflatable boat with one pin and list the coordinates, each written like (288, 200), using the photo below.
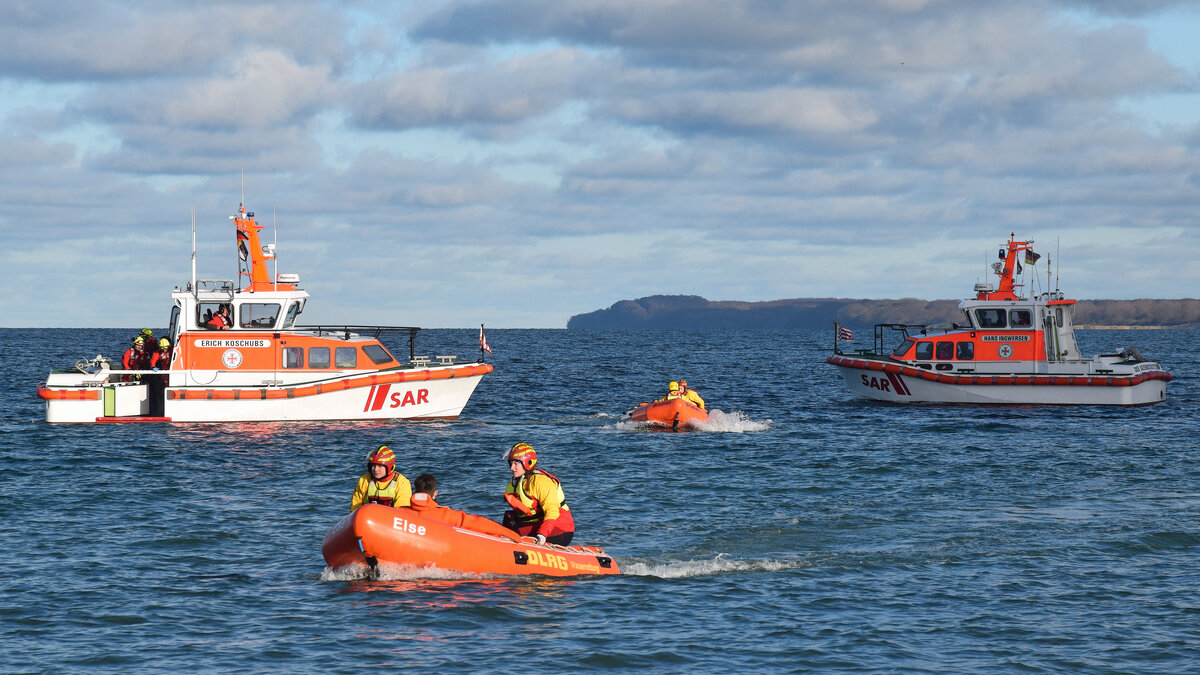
(672, 414)
(374, 533)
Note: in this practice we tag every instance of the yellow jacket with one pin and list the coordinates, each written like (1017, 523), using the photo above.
(693, 397)
(396, 492)
(539, 492)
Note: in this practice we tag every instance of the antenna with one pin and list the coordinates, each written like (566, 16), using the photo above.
(194, 289)
(243, 186)
(1057, 246)
(274, 249)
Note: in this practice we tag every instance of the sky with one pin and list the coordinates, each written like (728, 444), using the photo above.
(516, 162)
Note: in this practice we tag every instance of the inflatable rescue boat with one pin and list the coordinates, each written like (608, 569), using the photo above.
(374, 533)
(672, 414)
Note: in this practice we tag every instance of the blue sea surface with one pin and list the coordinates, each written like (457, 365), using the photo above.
(802, 530)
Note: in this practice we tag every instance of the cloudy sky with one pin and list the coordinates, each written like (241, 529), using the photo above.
(514, 162)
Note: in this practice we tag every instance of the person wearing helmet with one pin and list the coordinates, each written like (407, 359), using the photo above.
(161, 358)
(538, 504)
(672, 392)
(135, 358)
(424, 502)
(381, 484)
(689, 395)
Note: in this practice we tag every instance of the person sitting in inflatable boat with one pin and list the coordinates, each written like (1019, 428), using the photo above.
(539, 507)
(689, 395)
(381, 484)
(424, 501)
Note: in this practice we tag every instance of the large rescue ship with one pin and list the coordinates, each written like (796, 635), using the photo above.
(1011, 350)
(264, 367)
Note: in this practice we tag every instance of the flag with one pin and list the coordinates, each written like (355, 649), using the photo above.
(242, 237)
(483, 345)
(844, 333)
(1031, 258)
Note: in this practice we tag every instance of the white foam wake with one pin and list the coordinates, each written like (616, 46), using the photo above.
(697, 568)
(738, 422)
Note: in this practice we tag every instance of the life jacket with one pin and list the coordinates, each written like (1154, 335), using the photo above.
(386, 494)
(527, 508)
(161, 360)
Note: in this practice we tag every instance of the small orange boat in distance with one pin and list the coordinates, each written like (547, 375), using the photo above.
(672, 414)
(374, 533)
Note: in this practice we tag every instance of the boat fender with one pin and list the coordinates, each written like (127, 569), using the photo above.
(515, 502)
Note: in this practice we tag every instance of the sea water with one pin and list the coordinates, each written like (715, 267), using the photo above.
(801, 529)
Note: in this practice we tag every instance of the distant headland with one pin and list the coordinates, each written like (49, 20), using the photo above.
(694, 312)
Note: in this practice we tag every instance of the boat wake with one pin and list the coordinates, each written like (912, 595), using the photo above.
(699, 568)
(393, 572)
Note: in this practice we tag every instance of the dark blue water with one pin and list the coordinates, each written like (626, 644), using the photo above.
(813, 532)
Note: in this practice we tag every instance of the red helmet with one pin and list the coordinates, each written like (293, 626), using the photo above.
(384, 457)
(523, 453)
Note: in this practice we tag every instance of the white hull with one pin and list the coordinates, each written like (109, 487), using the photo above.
(899, 384)
(434, 393)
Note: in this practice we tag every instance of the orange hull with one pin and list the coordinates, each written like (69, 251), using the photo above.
(375, 533)
(673, 414)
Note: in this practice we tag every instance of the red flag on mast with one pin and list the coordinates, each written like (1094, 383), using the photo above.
(483, 341)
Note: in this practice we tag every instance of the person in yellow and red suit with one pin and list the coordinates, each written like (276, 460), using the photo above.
(672, 392)
(538, 505)
(135, 358)
(161, 359)
(689, 395)
(381, 484)
(424, 501)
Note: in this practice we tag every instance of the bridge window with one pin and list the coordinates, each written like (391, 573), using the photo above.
(345, 357)
(924, 350)
(991, 318)
(902, 349)
(1020, 318)
(290, 319)
(377, 354)
(293, 357)
(945, 351)
(318, 357)
(259, 314)
(965, 351)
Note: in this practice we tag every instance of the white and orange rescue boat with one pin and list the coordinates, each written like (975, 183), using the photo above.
(264, 367)
(1011, 350)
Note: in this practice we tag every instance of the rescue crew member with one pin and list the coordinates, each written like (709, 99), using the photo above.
(539, 507)
(381, 484)
(148, 337)
(672, 392)
(220, 320)
(690, 395)
(135, 358)
(424, 501)
(161, 359)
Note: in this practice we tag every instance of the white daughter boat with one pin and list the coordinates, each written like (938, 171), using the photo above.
(264, 367)
(1011, 350)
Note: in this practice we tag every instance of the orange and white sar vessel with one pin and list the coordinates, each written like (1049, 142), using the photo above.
(264, 367)
(1011, 350)
(374, 534)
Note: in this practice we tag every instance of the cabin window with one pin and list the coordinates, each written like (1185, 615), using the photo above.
(991, 318)
(318, 357)
(206, 310)
(293, 357)
(345, 357)
(258, 314)
(1020, 318)
(964, 351)
(902, 349)
(945, 351)
(377, 354)
(293, 311)
(1058, 316)
(924, 350)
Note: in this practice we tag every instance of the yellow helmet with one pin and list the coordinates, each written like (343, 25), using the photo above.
(164, 343)
(674, 386)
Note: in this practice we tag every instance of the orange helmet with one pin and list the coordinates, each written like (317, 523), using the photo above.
(523, 453)
(384, 457)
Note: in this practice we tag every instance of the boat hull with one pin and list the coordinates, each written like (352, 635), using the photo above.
(423, 393)
(374, 533)
(899, 383)
(672, 414)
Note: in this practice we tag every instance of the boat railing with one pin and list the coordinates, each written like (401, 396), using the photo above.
(376, 332)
